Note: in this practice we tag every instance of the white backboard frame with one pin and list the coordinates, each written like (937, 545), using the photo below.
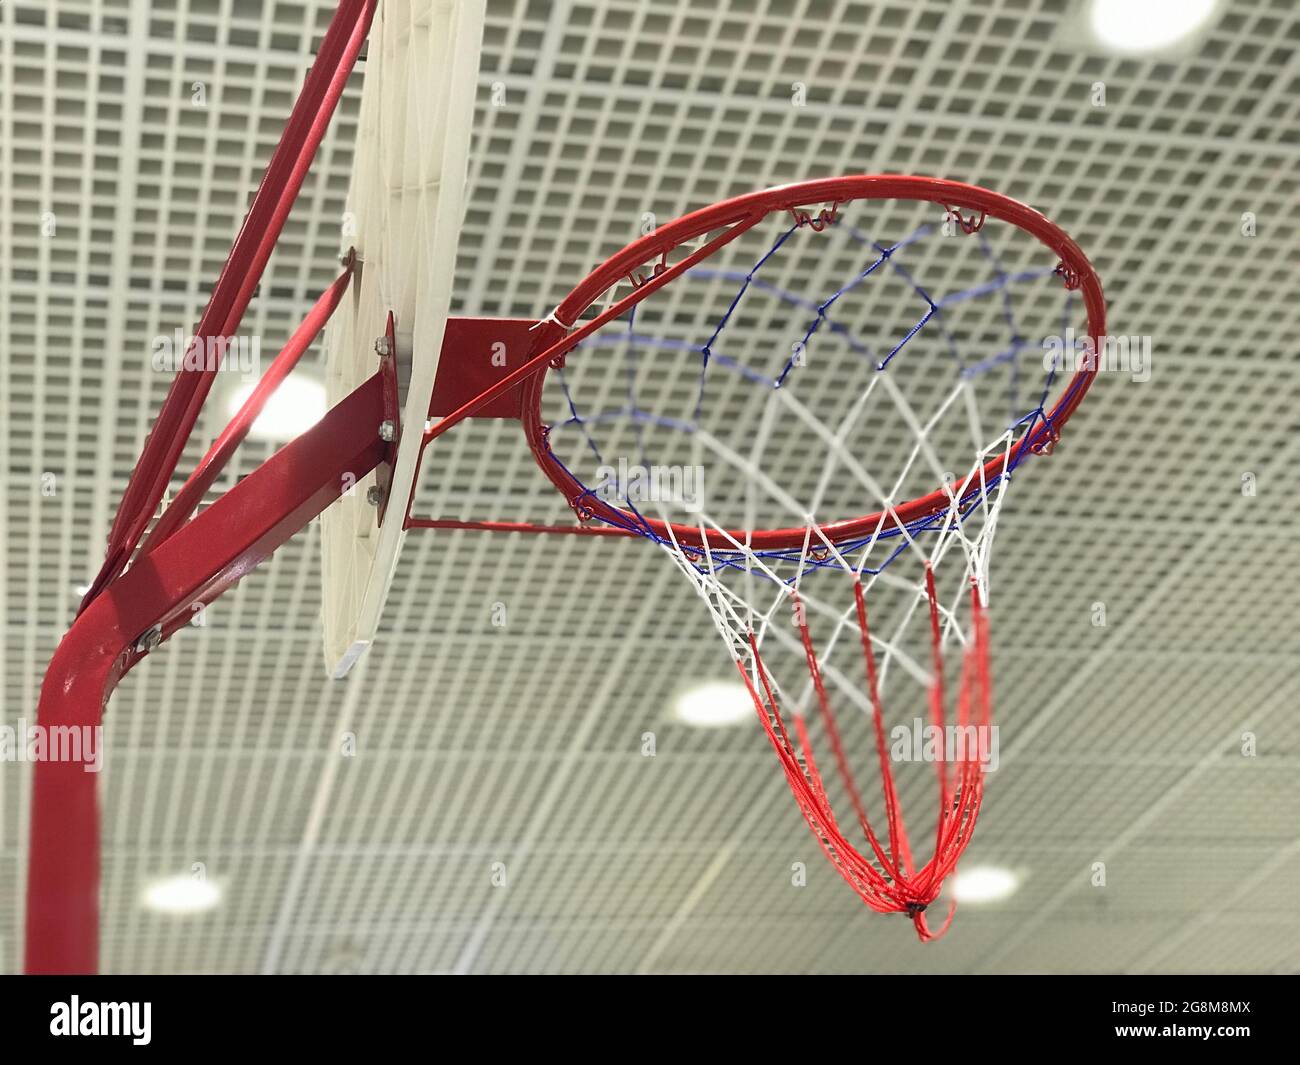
(405, 210)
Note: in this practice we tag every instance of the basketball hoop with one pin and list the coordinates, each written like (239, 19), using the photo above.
(834, 613)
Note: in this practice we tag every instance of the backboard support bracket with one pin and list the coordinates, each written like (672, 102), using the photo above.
(390, 429)
(476, 354)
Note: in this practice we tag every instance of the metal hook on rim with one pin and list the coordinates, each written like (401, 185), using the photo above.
(968, 225)
(824, 217)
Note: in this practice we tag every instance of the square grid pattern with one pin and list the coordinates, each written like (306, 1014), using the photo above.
(132, 135)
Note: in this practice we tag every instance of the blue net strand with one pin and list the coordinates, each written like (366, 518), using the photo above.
(726, 317)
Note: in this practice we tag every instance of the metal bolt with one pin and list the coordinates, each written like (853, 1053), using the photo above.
(382, 347)
(149, 640)
(387, 430)
(374, 495)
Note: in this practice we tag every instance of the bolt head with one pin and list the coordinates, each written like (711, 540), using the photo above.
(383, 348)
(149, 640)
(374, 495)
(387, 430)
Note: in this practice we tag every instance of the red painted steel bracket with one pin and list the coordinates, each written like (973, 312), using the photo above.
(477, 353)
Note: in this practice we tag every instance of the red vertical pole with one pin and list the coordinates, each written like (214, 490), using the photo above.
(195, 565)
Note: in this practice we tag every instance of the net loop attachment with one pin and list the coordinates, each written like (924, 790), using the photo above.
(1069, 276)
(581, 510)
(638, 279)
(1045, 443)
(967, 224)
(818, 222)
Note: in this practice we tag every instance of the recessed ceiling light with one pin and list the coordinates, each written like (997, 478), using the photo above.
(714, 704)
(294, 407)
(181, 894)
(1147, 25)
(983, 883)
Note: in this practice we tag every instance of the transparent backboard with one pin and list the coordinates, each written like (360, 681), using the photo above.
(404, 214)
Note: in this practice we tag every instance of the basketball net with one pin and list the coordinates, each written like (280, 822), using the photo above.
(839, 630)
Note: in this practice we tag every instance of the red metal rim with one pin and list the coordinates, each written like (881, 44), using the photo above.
(742, 213)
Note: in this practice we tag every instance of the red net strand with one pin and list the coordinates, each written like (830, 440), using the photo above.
(888, 881)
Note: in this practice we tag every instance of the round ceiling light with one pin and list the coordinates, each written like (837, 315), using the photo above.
(983, 883)
(714, 704)
(1133, 26)
(294, 407)
(182, 894)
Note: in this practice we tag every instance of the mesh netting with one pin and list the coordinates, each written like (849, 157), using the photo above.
(801, 378)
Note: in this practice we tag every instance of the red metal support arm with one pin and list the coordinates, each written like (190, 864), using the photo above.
(322, 89)
(195, 565)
